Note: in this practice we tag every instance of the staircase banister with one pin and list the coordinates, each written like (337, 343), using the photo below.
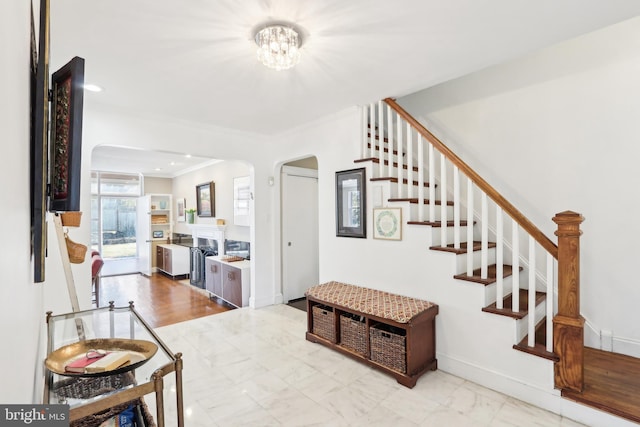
(506, 206)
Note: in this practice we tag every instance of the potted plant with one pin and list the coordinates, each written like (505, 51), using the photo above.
(190, 215)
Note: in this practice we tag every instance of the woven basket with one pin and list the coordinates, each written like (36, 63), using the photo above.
(77, 251)
(353, 333)
(324, 322)
(388, 347)
(71, 219)
(95, 420)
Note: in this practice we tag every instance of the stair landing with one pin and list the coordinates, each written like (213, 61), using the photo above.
(611, 384)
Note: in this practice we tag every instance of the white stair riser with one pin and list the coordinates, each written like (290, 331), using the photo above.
(461, 260)
(522, 324)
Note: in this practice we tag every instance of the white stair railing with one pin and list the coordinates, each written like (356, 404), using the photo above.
(384, 120)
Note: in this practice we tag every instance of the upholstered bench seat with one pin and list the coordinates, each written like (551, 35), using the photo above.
(371, 302)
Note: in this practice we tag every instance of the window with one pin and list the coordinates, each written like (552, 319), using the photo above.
(114, 198)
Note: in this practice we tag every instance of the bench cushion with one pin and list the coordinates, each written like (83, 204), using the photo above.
(369, 301)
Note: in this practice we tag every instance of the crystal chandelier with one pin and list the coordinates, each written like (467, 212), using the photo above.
(278, 47)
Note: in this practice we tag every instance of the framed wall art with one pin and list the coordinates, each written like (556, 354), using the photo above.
(241, 199)
(387, 223)
(351, 207)
(67, 88)
(206, 199)
(39, 99)
(180, 212)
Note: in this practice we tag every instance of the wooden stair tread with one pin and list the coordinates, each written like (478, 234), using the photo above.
(463, 247)
(539, 346)
(404, 180)
(414, 200)
(386, 162)
(507, 301)
(437, 224)
(491, 274)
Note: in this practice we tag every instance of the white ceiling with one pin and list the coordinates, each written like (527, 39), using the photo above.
(194, 60)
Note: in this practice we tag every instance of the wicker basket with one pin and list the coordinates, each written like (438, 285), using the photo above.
(71, 219)
(77, 251)
(324, 322)
(353, 333)
(89, 387)
(388, 347)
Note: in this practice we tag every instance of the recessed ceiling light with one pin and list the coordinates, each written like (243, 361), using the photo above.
(187, 156)
(157, 169)
(172, 163)
(92, 88)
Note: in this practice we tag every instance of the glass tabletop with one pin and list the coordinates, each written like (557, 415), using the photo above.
(101, 323)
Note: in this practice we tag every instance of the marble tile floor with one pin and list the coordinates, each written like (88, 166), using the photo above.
(253, 367)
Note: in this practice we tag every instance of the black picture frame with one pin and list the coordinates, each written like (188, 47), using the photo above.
(206, 199)
(39, 98)
(67, 88)
(351, 203)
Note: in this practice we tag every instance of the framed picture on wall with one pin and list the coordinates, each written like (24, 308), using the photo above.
(241, 199)
(387, 223)
(206, 199)
(351, 207)
(180, 212)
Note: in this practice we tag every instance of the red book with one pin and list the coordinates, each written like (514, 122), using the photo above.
(80, 363)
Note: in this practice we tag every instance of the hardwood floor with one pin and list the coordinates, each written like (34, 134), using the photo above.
(160, 300)
(611, 383)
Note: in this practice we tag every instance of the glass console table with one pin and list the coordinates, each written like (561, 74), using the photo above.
(111, 390)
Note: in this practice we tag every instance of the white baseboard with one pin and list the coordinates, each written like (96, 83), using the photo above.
(549, 400)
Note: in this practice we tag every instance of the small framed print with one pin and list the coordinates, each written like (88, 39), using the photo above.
(158, 234)
(387, 223)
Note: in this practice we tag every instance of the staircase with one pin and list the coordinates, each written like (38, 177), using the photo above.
(520, 275)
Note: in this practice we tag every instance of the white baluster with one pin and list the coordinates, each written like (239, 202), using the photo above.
(409, 161)
(515, 262)
(372, 130)
(365, 137)
(443, 200)
(484, 248)
(551, 297)
(469, 227)
(432, 183)
(380, 139)
(420, 179)
(531, 329)
(499, 259)
(389, 140)
(456, 207)
(400, 161)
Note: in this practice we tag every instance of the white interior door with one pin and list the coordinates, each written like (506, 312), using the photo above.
(299, 231)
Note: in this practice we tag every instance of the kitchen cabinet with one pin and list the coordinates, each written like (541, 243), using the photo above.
(172, 259)
(154, 224)
(230, 281)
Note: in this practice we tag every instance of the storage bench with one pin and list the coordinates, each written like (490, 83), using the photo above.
(393, 333)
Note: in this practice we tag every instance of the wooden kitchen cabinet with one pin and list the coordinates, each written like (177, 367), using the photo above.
(230, 281)
(173, 259)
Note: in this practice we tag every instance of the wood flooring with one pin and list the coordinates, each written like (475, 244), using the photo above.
(611, 383)
(160, 300)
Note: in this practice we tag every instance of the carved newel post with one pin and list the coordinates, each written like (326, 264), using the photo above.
(568, 324)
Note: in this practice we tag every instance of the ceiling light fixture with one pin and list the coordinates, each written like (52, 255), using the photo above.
(278, 47)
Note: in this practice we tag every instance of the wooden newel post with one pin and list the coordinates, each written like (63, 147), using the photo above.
(568, 324)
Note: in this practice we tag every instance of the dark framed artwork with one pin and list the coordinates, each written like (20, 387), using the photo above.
(206, 199)
(67, 88)
(351, 207)
(39, 141)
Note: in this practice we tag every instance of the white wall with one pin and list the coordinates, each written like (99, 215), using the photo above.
(222, 174)
(153, 185)
(21, 301)
(557, 130)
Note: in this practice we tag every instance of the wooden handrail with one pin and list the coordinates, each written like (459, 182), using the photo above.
(506, 206)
